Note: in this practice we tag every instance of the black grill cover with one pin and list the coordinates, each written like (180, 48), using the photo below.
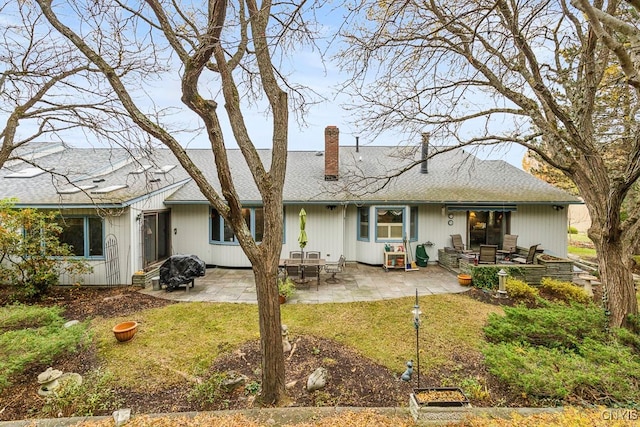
(181, 269)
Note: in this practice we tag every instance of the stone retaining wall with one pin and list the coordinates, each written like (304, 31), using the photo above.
(532, 274)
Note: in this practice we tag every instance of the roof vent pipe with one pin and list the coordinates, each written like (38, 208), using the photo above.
(424, 166)
(357, 144)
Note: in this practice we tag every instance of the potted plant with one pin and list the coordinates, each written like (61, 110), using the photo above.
(286, 288)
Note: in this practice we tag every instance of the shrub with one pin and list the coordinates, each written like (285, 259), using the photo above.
(606, 373)
(286, 287)
(41, 338)
(94, 395)
(519, 290)
(564, 291)
(554, 326)
(560, 353)
(486, 277)
(210, 390)
(33, 257)
(573, 230)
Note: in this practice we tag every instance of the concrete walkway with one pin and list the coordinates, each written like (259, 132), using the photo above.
(358, 282)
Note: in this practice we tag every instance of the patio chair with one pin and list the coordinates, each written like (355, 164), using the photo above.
(509, 244)
(334, 268)
(487, 254)
(312, 254)
(295, 254)
(311, 271)
(458, 245)
(293, 271)
(530, 256)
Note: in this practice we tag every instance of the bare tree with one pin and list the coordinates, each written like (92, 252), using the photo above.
(536, 73)
(226, 49)
(47, 89)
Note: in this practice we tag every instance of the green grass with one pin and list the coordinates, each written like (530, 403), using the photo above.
(578, 250)
(31, 334)
(581, 252)
(182, 340)
(580, 237)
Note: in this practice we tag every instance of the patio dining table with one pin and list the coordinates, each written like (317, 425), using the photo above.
(299, 262)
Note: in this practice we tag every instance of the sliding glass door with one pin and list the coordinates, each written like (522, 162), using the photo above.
(156, 236)
(487, 227)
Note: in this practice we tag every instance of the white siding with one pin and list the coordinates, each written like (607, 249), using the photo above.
(125, 225)
(541, 224)
(334, 232)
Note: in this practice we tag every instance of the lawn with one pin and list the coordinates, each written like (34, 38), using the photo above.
(580, 245)
(183, 339)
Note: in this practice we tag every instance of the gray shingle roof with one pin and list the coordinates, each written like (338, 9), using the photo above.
(453, 177)
(82, 167)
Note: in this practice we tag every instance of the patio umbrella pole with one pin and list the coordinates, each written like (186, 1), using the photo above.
(302, 239)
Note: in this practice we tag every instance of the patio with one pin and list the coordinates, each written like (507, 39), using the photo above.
(358, 282)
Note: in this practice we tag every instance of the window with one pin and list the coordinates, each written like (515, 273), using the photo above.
(221, 232)
(363, 223)
(413, 223)
(84, 234)
(390, 223)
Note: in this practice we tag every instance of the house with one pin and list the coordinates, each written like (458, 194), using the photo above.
(126, 212)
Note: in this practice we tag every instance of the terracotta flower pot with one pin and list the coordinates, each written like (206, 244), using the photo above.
(464, 279)
(125, 331)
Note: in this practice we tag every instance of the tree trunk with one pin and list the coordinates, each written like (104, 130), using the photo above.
(619, 295)
(273, 372)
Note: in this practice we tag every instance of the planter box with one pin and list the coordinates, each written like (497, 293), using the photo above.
(144, 280)
(440, 414)
(447, 259)
(440, 396)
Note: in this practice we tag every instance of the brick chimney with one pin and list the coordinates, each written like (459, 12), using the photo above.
(331, 148)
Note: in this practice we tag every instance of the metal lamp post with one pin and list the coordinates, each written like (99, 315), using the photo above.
(502, 277)
(416, 323)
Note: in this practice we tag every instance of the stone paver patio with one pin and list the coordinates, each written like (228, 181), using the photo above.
(358, 282)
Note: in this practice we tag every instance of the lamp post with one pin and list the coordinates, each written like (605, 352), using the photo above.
(502, 277)
(416, 324)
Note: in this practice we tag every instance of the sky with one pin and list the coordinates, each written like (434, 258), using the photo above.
(307, 69)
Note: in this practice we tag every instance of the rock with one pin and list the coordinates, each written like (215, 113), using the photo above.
(70, 323)
(71, 377)
(290, 384)
(121, 416)
(234, 380)
(49, 375)
(317, 380)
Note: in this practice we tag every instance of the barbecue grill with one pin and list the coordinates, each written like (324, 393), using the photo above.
(181, 270)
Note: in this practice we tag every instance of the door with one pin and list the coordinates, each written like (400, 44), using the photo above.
(487, 228)
(156, 236)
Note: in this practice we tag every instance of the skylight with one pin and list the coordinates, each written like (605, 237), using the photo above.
(109, 189)
(79, 188)
(141, 169)
(165, 169)
(26, 173)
